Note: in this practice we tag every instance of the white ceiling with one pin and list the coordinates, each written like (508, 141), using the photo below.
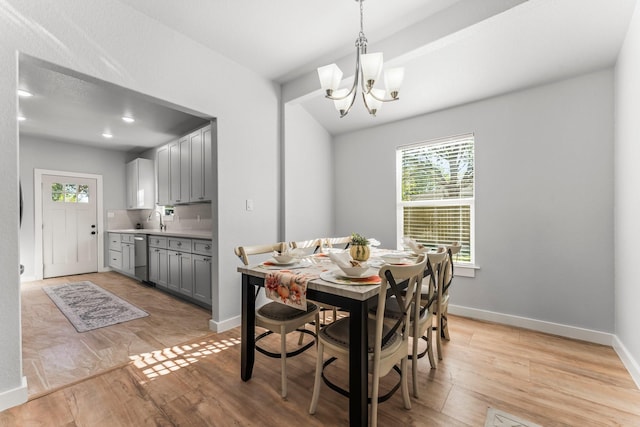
(454, 51)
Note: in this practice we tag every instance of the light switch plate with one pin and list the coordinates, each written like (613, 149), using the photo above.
(249, 204)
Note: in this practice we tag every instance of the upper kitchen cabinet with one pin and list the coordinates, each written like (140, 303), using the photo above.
(162, 177)
(140, 184)
(201, 165)
(185, 169)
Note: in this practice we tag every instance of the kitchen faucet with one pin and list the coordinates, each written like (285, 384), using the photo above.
(162, 226)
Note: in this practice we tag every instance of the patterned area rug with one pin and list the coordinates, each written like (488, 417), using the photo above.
(88, 306)
(498, 418)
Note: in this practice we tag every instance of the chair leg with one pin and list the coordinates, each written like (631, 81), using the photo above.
(283, 359)
(414, 366)
(432, 360)
(374, 398)
(317, 380)
(439, 332)
(335, 314)
(444, 324)
(405, 383)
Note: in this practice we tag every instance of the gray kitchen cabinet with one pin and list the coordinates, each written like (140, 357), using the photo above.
(185, 168)
(201, 165)
(202, 278)
(128, 258)
(178, 152)
(140, 184)
(163, 178)
(158, 262)
(180, 268)
(180, 277)
(128, 253)
(115, 251)
(122, 253)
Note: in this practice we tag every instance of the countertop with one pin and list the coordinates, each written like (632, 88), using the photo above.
(192, 234)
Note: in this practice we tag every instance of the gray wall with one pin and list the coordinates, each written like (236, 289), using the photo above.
(544, 201)
(147, 57)
(308, 177)
(54, 155)
(627, 197)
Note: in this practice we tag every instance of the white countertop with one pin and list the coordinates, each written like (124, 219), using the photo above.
(193, 234)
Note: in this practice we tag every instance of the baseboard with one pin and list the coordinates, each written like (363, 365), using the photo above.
(627, 360)
(225, 325)
(573, 332)
(14, 397)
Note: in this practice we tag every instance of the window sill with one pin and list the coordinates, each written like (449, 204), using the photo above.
(465, 270)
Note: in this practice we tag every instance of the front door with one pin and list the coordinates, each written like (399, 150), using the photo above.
(69, 225)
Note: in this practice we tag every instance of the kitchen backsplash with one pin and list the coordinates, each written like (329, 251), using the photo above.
(185, 217)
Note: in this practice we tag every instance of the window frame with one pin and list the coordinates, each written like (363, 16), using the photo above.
(467, 268)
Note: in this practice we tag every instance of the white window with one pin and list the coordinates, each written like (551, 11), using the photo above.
(436, 194)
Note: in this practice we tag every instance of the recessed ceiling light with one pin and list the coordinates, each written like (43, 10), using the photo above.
(107, 135)
(23, 93)
(128, 119)
(21, 118)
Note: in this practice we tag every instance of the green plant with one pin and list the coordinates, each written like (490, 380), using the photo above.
(358, 240)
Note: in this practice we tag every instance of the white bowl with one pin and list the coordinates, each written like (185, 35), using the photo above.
(355, 271)
(283, 259)
(393, 258)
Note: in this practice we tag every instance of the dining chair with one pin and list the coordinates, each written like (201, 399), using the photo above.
(311, 247)
(421, 318)
(308, 246)
(390, 343)
(452, 250)
(279, 318)
(340, 242)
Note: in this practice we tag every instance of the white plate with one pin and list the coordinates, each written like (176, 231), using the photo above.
(367, 273)
(333, 277)
(275, 261)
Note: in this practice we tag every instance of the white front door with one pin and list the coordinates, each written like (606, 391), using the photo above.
(69, 225)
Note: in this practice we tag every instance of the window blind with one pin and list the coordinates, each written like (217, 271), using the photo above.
(437, 192)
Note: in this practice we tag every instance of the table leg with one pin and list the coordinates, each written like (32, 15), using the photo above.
(358, 369)
(248, 343)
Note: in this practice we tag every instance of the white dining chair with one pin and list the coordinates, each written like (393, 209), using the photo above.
(279, 318)
(388, 345)
(443, 297)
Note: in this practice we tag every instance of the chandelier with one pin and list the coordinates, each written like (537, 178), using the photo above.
(368, 69)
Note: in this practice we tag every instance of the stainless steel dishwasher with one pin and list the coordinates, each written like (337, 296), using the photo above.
(141, 269)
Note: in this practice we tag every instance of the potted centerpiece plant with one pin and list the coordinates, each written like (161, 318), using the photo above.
(359, 247)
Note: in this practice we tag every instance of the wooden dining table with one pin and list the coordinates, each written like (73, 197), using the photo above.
(356, 299)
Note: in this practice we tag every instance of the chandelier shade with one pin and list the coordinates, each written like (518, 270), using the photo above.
(367, 73)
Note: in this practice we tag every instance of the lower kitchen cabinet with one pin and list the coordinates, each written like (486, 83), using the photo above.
(180, 272)
(181, 267)
(128, 258)
(202, 278)
(158, 267)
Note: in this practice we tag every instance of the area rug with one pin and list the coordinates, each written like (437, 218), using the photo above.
(88, 306)
(498, 418)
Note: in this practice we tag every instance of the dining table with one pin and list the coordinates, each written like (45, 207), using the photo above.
(354, 298)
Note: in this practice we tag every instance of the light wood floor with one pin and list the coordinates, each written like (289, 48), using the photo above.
(54, 354)
(548, 380)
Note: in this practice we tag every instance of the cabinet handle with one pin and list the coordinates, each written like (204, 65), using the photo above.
(207, 247)
(179, 243)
